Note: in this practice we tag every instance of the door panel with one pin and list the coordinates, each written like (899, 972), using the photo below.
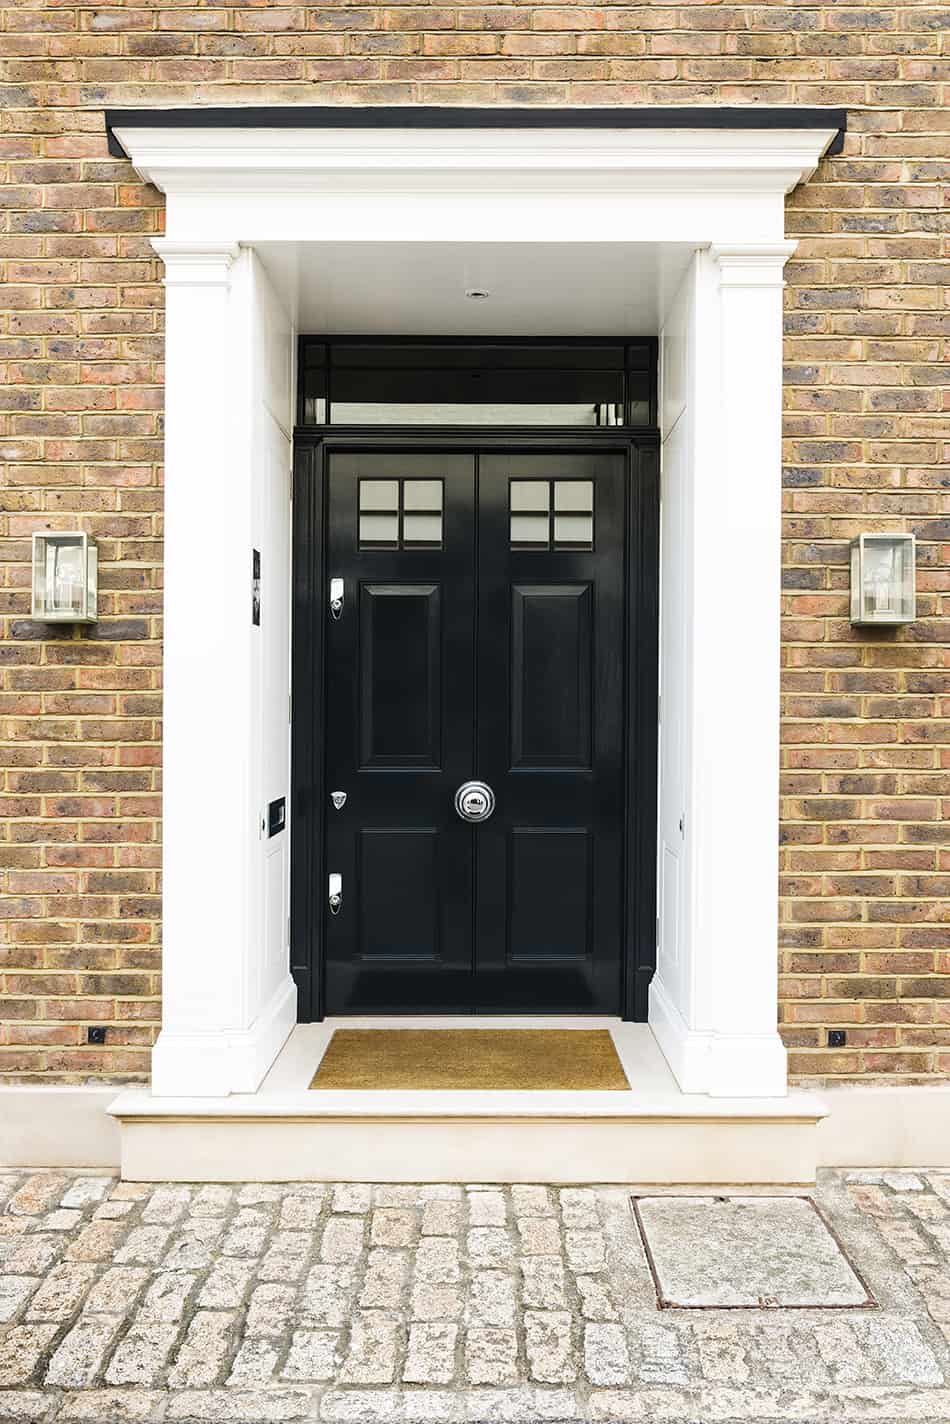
(551, 675)
(399, 893)
(400, 676)
(550, 723)
(400, 688)
(549, 898)
(482, 636)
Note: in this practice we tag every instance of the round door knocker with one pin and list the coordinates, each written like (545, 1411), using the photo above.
(474, 801)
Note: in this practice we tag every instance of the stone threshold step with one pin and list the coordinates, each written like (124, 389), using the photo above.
(183, 1140)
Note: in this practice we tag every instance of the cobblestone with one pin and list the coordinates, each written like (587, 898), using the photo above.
(492, 1299)
(142, 1353)
(204, 1350)
(435, 1302)
(441, 1304)
(314, 1355)
(61, 1292)
(430, 1357)
(166, 1296)
(548, 1343)
(372, 1354)
(14, 1290)
(254, 1362)
(77, 1359)
(385, 1283)
(491, 1356)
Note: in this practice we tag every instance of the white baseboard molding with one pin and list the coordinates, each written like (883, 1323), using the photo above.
(222, 1061)
(64, 1126)
(722, 1065)
(885, 1126)
(58, 1126)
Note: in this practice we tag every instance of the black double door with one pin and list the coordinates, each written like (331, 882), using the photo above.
(480, 639)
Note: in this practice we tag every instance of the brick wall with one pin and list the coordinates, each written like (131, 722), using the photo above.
(865, 944)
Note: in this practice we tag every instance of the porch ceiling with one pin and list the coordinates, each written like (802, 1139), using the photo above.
(534, 289)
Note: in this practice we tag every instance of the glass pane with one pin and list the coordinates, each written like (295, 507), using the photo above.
(65, 576)
(379, 529)
(529, 529)
(459, 413)
(530, 494)
(574, 529)
(422, 529)
(422, 494)
(379, 494)
(883, 579)
(574, 494)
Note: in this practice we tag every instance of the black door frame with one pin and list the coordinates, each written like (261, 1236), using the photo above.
(309, 590)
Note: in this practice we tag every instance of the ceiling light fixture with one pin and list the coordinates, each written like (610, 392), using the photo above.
(476, 294)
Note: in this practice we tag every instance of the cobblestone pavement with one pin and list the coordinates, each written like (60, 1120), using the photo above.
(355, 1303)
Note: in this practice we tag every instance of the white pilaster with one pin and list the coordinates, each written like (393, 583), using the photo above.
(215, 1037)
(736, 586)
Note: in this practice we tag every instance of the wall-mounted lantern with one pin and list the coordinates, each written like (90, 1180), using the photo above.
(883, 588)
(65, 577)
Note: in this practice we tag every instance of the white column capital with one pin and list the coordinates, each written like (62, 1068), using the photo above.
(754, 264)
(196, 264)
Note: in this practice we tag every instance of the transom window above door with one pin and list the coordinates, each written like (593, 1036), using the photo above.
(400, 514)
(495, 381)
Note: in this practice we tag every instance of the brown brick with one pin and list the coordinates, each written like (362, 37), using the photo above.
(867, 716)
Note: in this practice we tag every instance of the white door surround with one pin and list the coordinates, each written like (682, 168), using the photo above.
(240, 196)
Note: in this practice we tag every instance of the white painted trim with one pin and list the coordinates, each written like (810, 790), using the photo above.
(196, 264)
(734, 632)
(686, 1050)
(752, 264)
(658, 160)
(721, 192)
(222, 1061)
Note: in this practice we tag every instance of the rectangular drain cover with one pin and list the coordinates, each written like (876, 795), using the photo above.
(730, 1253)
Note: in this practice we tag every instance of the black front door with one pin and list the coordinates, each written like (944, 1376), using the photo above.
(481, 638)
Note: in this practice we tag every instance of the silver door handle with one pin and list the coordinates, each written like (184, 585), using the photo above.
(474, 801)
(335, 892)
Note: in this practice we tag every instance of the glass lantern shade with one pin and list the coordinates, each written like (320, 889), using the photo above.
(882, 579)
(65, 569)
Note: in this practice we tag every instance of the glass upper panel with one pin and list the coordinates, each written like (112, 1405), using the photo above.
(400, 514)
(531, 523)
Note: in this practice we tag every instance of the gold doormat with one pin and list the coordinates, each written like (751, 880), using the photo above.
(528, 1059)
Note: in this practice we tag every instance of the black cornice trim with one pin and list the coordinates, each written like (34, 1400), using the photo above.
(424, 116)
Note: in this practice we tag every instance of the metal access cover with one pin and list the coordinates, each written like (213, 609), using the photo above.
(719, 1252)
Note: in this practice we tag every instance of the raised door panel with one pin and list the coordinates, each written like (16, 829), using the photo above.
(551, 675)
(400, 895)
(400, 693)
(549, 893)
